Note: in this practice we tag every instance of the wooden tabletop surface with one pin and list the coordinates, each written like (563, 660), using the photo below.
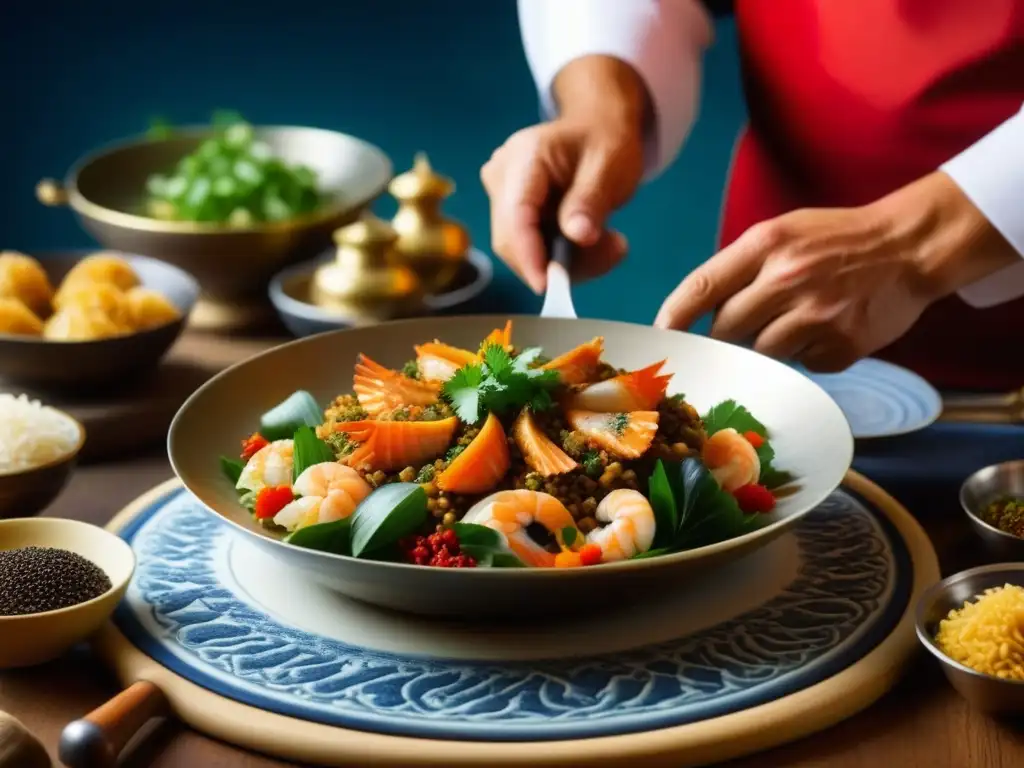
(922, 723)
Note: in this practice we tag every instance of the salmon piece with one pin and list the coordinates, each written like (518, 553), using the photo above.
(439, 362)
(539, 451)
(636, 391)
(624, 435)
(500, 336)
(579, 365)
(482, 465)
(390, 445)
(380, 390)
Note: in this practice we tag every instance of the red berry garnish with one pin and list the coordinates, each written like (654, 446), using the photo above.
(754, 498)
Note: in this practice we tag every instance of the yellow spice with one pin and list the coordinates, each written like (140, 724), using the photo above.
(987, 635)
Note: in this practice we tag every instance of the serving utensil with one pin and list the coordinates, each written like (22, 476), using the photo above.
(985, 486)
(1005, 408)
(558, 297)
(987, 693)
(107, 191)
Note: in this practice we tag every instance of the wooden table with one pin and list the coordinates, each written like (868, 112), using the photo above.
(923, 723)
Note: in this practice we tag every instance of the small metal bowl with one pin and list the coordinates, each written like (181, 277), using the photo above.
(989, 694)
(28, 492)
(290, 295)
(985, 486)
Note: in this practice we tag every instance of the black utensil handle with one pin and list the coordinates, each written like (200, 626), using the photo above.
(96, 740)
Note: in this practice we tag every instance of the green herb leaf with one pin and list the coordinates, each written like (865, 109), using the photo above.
(506, 560)
(471, 534)
(499, 362)
(463, 391)
(232, 468)
(730, 414)
(772, 478)
(248, 500)
(335, 536)
(309, 450)
(591, 463)
(713, 515)
(388, 514)
(663, 502)
(686, 481)
(569, 535)
(281, 421)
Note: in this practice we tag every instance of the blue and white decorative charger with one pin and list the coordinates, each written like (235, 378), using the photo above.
(880, 399)
(217, 612)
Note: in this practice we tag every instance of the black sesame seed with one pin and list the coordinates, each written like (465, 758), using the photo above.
(38, 579)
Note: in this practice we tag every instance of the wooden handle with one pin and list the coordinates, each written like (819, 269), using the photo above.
(97, 739)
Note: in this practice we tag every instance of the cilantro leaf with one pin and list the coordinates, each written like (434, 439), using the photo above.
(525, 359)
(730, 414)
(463, 389)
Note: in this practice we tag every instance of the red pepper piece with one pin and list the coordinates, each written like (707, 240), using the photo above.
(754, 439)
(590, 554)
(271, 500)
(754, 498)
(251, 444)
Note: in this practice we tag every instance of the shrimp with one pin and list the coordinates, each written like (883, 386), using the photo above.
(640, 390)
(732, 459)
(328, 491)
(630, 528)
(271, 465)
(511, 512)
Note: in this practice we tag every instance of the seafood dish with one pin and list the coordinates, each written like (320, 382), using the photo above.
(100, 297)
(504, 457)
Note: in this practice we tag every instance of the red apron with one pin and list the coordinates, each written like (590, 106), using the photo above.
(852, 99)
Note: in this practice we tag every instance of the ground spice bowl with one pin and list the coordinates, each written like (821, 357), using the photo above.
(36, 638)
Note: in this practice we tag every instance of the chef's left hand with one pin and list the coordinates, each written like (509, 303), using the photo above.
(826, 287)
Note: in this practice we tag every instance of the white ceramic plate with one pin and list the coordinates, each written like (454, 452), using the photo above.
(880, 399)
(811, 437)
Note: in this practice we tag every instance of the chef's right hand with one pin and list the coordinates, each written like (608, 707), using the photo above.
(580, 167)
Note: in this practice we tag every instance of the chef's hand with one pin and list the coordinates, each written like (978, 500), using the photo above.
(587, 162)
(826, 287)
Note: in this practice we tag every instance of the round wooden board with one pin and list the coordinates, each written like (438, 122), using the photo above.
(135, 418)
(800, 714)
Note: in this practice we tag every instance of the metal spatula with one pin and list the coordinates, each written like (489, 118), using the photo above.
(558, 297)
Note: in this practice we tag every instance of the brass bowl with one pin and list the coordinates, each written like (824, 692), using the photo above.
(107, 191)
(27, 492)
(73, 366)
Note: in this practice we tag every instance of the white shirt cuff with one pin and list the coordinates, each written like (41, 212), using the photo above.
(663, 40)
(991, 173)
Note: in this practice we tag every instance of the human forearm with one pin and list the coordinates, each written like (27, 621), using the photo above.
(661, 41)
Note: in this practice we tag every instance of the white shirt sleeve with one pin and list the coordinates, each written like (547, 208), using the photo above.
(991, 173)
(663, 40)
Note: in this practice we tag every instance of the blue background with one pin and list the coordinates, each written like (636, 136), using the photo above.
(448, 77)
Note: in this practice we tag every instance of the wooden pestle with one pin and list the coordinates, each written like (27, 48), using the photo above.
(96, 740)
(18, 747)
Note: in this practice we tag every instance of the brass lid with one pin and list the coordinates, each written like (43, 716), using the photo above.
(369, 232)
(421, 182)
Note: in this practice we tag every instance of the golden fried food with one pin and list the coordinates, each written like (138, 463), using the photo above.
(23, 278)
(104, 298)
(103, 267)
(149, 309)
(76, 322)
(17, 319)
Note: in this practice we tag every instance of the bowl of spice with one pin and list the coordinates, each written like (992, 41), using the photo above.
(973, 623)
(38, 449)
(993, 499)
(59, 581)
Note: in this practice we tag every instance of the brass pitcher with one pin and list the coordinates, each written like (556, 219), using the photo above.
(367, 281)
(431, 244)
